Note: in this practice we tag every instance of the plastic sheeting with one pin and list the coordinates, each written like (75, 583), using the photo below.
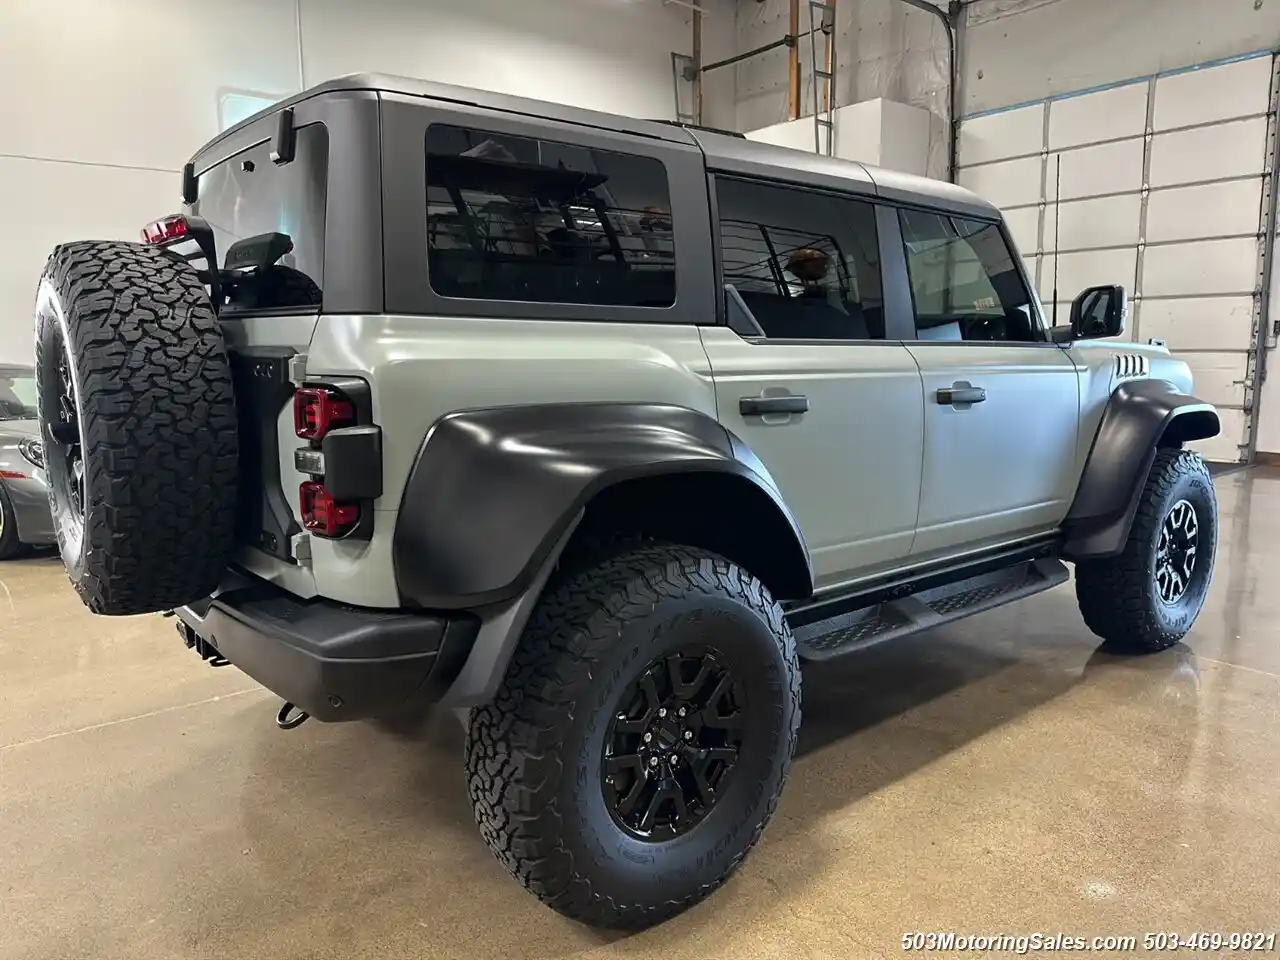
(885, 48)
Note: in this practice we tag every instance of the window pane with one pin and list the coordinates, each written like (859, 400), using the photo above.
(965, 280)
(805, 264)
(248, 197)
(513, 218)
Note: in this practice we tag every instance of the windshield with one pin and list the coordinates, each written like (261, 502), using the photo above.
(17, 394)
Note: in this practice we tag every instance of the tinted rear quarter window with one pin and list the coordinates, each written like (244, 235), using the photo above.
(248, 196)
(522, 219)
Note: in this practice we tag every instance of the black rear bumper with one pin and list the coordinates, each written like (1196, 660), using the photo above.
(334, 661)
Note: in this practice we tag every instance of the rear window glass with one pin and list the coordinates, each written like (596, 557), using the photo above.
(248, 197)
(515, 218)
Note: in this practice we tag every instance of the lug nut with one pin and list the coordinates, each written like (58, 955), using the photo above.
(653, 761)
(688, 734)
(648, 737)
(662, 711)
(681, 712)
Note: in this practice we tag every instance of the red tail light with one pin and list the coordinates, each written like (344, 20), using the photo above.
(322, 514)
(317, 410)
(165, 230)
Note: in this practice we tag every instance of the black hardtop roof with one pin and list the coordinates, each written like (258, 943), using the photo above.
(723, 151)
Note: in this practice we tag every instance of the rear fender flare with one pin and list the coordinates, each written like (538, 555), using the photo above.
(1141, 417)
(494, 490)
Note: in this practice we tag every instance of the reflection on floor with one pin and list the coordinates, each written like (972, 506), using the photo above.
(999, 775)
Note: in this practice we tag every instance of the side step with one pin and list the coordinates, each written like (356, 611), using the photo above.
(929, 608)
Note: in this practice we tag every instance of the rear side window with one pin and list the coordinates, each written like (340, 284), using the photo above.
(248, 198)
(805, 265)
(965, 280)
(516, 218)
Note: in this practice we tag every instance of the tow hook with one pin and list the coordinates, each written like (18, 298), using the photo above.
(288, 719)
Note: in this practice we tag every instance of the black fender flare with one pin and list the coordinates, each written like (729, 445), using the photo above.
(1141, 417)
(493, 491)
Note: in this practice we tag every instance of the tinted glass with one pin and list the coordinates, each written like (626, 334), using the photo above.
(805, 264)
(17, 394)
(248, 196)
(514, 218)
(965, 280)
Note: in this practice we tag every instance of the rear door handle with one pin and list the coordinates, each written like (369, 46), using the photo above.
(961, 393)
(760, 406)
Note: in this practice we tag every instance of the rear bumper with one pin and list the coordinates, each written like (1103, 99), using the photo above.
(334, 661)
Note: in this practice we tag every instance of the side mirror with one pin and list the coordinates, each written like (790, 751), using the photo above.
(1099, 312)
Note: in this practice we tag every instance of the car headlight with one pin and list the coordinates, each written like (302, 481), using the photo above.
(33, 450)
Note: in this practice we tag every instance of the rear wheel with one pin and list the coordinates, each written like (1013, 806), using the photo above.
(1147, 598)
(640, 740)
(137, 415)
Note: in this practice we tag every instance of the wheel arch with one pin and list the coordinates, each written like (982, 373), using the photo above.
(1141, 418)
(494, 491)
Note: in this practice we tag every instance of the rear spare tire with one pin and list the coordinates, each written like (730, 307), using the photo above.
(137, 414)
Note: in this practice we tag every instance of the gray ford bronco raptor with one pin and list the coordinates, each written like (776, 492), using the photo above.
(593, 428)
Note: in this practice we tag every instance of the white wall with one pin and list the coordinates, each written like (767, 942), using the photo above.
(885, 48)
(105, 99)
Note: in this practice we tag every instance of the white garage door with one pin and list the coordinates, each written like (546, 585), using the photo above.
(1162, 189)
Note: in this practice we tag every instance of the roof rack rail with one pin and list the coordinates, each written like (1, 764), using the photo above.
(703, 127)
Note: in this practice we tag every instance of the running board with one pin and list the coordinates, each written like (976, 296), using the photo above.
(863, 628)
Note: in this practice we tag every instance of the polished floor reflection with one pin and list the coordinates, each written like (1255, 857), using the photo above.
(1001, 775)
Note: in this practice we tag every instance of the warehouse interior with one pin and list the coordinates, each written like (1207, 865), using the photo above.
(1003, 775)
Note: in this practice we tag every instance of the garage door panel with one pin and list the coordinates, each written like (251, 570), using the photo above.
(1024, 227)
(1210, 210)
(1094, 117)
(1205, 267)
(1224, 150)
(1090, 171)
(1213, 93)
(1225, 447)
(1013, 133)
(1218, 377)
(1104, 222)
(1008, 184)
(1089, 268)
(1200, 323)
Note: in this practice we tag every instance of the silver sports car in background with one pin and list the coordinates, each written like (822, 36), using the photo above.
(25, 519)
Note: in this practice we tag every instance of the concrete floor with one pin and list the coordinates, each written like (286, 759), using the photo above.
(998, 776)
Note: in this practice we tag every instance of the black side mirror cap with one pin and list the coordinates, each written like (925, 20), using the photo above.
(1099, 312)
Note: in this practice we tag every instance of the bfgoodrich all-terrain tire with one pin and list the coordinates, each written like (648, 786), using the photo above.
(641, 737)
(1147, 598)
(138, 418)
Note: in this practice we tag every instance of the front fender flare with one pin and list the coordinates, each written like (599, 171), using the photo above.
(1141, 417)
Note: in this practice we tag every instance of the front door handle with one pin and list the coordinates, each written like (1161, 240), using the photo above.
(961, 393)
(760, 406)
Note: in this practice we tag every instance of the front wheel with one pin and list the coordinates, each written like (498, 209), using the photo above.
(641, 737)
(1147, 598)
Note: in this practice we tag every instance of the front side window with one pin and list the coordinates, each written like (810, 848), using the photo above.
(516, 218)
(804, 264)
(965, 280)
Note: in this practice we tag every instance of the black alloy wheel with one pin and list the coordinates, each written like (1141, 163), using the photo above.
(673, 744)
(1176, 552)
